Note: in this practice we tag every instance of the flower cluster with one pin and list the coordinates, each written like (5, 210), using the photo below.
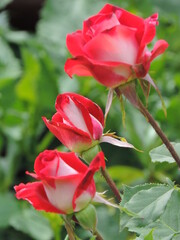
(111, 47)
(65, 184)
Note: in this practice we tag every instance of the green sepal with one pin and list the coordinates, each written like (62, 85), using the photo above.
(87, 218)
(90, 154)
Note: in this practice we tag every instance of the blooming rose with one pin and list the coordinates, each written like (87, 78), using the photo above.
(112, 46)
(65, 184)
(78, 122)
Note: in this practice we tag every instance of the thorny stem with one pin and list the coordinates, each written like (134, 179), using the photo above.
(69, 229)
(163, 137)
(109, 181)
(111, 184)
(134, 99)
(98, 236)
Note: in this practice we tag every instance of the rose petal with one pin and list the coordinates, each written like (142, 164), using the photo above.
(108, 74)
(76, 66)
(74, 139)
(87, 183)
(62, 195)
(75, 42)
(119, 45)
(76, 113)
(99, 23)
(109, 101)
(34, 193)
(116, 142)
(92, 107)
(159, 47)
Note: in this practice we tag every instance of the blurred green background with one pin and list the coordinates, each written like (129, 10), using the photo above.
(32, 57)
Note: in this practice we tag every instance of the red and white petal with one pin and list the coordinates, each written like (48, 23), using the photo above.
(99, 199)
(83, 200)
(116, 45)
(75, 43)
(74, 139)
(77, 66)
(62, 195)
(85, 114)
(97, 128)
(116, 142)
(34, 193)
(111, 76)
(73, 161)
(76, 113)
(109, 102)
(148, 33)
(126, 18)
(92, 107)
(159, 47)
(87, 183)
(99, 23)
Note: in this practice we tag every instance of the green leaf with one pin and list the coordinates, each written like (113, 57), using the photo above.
(26, 88)
(93, 238)
(8, 207)
(60, 17)
(9, 65)
(39, 79)
(161, 153)
(3, 3)
(149, 236)
(32, 223)
(108, 224)
(169, 225)
(125, 174)
(146, 202)
(159, 219)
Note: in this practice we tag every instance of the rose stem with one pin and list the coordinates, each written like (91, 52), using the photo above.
(111, 184)
(153, 123)
(163, 137)
(98, 236)
(69, 229)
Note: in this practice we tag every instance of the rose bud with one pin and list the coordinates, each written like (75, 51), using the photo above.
(112, 47)
(78, 123)
(65, 184)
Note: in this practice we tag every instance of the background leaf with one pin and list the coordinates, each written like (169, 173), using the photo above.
(32, 223)
(9, 208)
(161, 153)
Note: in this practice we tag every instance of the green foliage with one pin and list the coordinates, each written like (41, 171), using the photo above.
(151, 211)
(8, 61)
(161, 153)
(32, 223)
(87, 218)
(9, 208)
(31, 76)
(125, 174)
(108, 224)
(3, 3)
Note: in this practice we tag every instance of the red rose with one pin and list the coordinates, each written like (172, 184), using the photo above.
(78, 122)
(65, 184)
(112, 47)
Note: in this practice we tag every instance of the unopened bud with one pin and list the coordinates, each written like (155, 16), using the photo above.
(87, 218)
(89, 155)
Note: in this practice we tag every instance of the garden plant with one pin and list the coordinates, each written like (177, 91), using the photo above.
(99, 165)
